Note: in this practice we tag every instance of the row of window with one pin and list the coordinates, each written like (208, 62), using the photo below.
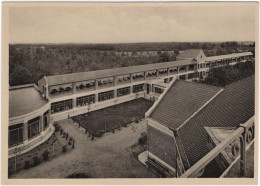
(86, 100)
(15, 134)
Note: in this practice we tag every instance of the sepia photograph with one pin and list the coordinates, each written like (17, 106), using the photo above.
(143, 91)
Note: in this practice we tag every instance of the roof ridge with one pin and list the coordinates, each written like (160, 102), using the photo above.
(203, 106)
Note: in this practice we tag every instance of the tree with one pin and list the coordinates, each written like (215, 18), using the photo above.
(20, 76)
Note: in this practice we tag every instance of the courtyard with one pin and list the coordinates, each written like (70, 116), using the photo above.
(110, 156)
(108, 119)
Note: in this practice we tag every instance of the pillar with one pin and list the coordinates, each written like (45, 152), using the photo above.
(74, 102)
(187, 68)
(96, 84)
(167, 71)
(157, 73)
(243, 154)
(178, 70)
(47, 92)
(131, 89)
(114, 79)
(41, 123)
(96, 98)
(131, 80)
(74, 90)
(25, 131)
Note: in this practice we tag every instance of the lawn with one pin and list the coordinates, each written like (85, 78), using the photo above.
(110, 118)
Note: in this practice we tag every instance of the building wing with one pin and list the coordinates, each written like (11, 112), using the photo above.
(182, 100)
(233, 106)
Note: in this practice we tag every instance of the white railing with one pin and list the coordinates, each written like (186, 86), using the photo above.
(245, 134)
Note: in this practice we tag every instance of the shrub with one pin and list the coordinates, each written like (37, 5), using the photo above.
(64, 148)
(136, 120)
(27, 165)
(46, 155)
(78, 175)
(142, 139)
(36, 161)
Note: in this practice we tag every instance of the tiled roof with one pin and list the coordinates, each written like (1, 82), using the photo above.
(214, 58)
(83, 76)
(190, 53)
(233, 106)
(181, 101)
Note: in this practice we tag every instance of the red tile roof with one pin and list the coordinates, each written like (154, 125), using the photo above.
(181, 101)
(233, 106)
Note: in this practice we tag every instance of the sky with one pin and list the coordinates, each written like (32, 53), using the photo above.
(131, 23)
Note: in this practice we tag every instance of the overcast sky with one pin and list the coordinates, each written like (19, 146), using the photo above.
(113, 23)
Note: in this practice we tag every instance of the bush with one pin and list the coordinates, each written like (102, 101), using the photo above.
(27, 165)
(78, 175)
(143, 138)
(36, 161)
(46, 155)
(136, 120)
(64, 148)
(56, 126)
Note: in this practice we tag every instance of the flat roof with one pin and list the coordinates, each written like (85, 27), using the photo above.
(23, 100)
(84, 76)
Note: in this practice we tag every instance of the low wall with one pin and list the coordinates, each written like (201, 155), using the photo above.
(29, 145)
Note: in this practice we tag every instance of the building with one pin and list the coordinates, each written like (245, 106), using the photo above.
(192, 123)
(68, 95)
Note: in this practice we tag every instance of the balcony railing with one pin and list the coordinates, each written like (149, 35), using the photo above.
(245, 134)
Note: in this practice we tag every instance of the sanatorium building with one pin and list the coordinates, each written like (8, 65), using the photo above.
(33, 108)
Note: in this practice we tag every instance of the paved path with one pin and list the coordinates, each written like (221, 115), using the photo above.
(105, 157)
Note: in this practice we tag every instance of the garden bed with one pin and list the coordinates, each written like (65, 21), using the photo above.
(57, 144)
(111, 118)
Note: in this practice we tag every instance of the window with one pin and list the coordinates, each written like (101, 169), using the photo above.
(15, 135)
(33, 127)
(183, 77)
(123, 91)
(45, 120)
(85, 100)
(106, 95)
(158, 90)
(138, 88)
(191, 75)
(61, 106)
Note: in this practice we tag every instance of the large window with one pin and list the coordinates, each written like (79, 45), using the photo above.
(61, 106)
(15, 135)
(182, 77)
(85, 100)
(191, 75)
(158, 90)
(106, 95)
(138, 88)
(33, 127)
(45, 120)
(123, 91)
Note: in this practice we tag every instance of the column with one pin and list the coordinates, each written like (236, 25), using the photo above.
(131, 80)
(167, 71)
(74, 104)
(114, 79)
(131, 89)
(47, 91)
(157, 73)
(96, 98)
(145, 75)
(25, 131)
(74, 90)
(41, 124)
(96, 84)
